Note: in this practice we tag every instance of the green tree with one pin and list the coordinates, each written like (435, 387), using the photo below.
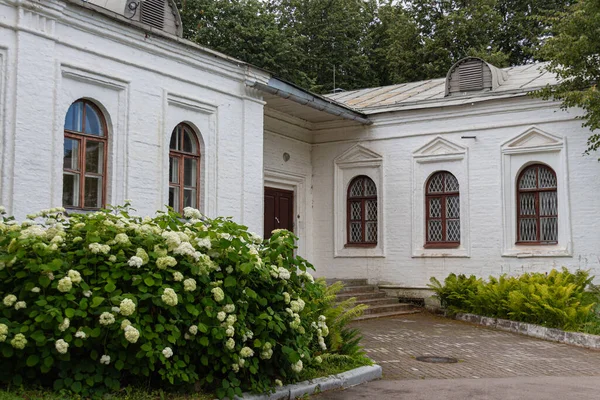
(574, 51)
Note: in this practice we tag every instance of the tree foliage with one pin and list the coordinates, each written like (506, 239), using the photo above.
(574, 51)
(369, 43)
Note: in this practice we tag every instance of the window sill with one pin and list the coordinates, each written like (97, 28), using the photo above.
(441, 246)
(441, 252)
(361, 245)
(537, 250)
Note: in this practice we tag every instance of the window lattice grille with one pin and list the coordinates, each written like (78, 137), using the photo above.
(537, 218)
(362, 211)
(443, 210)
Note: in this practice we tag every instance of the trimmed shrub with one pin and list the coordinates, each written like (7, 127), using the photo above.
(559, 299)
(92, 302)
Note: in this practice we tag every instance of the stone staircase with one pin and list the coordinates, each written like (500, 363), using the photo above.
(380, 305)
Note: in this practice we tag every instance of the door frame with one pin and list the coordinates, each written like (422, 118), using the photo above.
(295, 183)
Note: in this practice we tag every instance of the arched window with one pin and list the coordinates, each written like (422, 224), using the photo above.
(184, 168)
(362, 211)
(537, 218)
(84, 157)
(442, 206)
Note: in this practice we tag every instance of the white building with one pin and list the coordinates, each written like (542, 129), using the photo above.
(102, 102)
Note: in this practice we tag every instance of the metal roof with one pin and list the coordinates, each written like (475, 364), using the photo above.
(431, 93)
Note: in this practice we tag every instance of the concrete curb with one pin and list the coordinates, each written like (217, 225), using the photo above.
(555, 335)
(340, 381)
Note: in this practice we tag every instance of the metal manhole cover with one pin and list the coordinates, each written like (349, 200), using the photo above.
(433, 359)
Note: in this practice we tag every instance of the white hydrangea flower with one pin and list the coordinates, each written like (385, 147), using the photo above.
(278, 382)
(61, 346)
(297, 367)
(135, 261)
(235, 368)
(122, 238)
(189, 285)
(193, 330)
(297, 305)
(65, 284)
(230, 344)
(190, 212)
(127, 307)
(204, 243)
(218, 294)
(9, 300)
(107, 318)
(246, 352)
(20, 304)
(36, 290)
(229, 269)
(19, 341)
(125, 323)
(77, 239)
(87, 293)
(172, 239)
(165, 261)
(64, 325)
(231, 320)
(112, 258)
(167, 352)
(322, 343)
(99, 248)
(229, 308)
(230, 331)
(318, 359)
(221, 316)
(115, 310)
(283, 273)
(131, 334)
(3, 329)
(225, 236)
(57, 239)
(80, 334)
(75, 276)
(105, 359)
(241, 362)
(169, 297)
(286, 297)
(177, 276)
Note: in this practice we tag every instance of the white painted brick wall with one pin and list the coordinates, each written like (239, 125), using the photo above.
(396, 138)
(132, 77)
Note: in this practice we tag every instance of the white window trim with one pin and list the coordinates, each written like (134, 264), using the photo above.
(439, 155)
(534, 146)
(356, 161)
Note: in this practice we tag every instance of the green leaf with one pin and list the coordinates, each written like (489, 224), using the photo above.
(32, 360)
(70, 313)
(44, 281)
(96, 301)
(119, 365)
(110, 287)
(202, 328)
(230, 281)
(203, 341)
(149, 281)
(76, 387)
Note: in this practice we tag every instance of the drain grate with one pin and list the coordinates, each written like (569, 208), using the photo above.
(437, 360)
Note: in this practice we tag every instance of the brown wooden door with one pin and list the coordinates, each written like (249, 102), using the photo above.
(279, 210)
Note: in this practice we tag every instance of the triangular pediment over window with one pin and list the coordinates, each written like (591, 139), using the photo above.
(533, 138)
(439, 147)
(358, 154)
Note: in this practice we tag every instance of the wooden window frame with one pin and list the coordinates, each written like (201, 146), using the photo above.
(83, 138)
(363, 215)
(182, 156)
(537, 216)
(444, 244)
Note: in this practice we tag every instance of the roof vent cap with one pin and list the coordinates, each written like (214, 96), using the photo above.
(159, 14)
(473, 74)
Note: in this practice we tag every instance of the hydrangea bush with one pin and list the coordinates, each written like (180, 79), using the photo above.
(91, 302)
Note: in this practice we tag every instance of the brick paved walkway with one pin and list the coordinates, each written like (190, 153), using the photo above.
(394, 343)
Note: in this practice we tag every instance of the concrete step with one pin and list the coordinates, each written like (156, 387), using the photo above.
(361, 296)
(387, 314)
(385, 308)
(379, 302)
(360, 289)
(348, 282)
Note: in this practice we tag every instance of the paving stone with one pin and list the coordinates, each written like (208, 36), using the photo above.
(394, 343)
